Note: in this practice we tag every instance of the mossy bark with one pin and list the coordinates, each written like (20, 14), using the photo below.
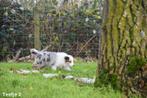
(124, 33)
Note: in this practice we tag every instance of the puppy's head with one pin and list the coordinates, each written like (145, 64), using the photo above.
(69, 60)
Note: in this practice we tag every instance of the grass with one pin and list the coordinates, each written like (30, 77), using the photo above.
(36, 86)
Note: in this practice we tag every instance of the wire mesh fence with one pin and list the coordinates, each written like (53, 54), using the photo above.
(70, 28)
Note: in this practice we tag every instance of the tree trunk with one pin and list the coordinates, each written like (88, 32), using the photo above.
(124, 34)
(37, 43)
(38, 10)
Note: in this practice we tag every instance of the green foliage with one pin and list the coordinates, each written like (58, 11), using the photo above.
(105, 78)
(73, 25)
(15, 83)
(62, 27)
(135, 63)
(15, 23)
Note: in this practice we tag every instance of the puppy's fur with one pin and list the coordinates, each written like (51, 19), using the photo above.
(52, 59)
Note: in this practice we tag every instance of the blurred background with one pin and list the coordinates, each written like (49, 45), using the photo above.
(70, 26)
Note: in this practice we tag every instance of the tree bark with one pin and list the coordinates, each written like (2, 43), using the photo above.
(124, 33)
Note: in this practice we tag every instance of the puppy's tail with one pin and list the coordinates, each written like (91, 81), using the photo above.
(33, 51)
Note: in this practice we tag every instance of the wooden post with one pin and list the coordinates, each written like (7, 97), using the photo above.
(37, 43)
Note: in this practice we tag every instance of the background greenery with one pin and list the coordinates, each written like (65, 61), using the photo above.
(63, 26)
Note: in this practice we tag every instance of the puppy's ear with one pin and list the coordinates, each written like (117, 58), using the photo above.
(34, 51)
(66, 59)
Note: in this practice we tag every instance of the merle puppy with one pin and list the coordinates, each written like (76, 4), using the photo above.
(52, 59)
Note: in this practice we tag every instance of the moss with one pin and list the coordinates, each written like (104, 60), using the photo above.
(105, 78)
(135, 63)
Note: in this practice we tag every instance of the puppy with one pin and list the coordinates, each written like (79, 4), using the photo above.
(52, 59)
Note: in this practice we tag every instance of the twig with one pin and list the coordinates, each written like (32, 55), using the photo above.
(45, 49)
(17, 54)
(85, 44)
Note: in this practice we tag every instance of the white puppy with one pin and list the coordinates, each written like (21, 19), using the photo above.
(52, 59)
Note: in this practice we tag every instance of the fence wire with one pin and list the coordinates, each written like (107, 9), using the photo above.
(74, 31)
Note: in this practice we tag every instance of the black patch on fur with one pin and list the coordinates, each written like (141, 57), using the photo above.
(66, 59)
(40, 62)
(48, 59)
(39, 56)
(48, 55)
(52, 64)
(43, 59)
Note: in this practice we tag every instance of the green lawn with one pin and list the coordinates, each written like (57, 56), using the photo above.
(36, 86)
